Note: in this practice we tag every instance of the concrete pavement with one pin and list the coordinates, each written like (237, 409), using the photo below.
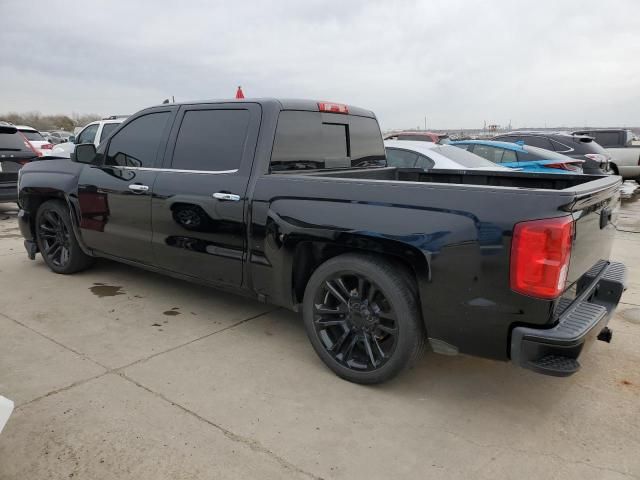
(121, 373)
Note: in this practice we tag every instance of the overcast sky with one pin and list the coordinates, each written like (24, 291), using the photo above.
(460, 63)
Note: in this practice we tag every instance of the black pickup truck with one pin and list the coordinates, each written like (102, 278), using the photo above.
(290, 202)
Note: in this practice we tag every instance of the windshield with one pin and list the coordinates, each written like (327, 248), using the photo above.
(464, 158)
(33, 135)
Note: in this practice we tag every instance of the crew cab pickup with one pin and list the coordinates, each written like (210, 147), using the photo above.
(625, 157)
(290, 202)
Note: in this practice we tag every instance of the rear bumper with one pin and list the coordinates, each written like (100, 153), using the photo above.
(555, 351)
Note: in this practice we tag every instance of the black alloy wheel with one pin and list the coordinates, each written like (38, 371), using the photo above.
(55, 238)
(361, 315)
(355, 322)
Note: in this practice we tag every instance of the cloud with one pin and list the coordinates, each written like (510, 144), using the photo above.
(458, 63)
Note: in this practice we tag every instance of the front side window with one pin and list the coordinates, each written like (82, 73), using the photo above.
(88, 134)
(136, 145)
(211, 140)
(540, 142)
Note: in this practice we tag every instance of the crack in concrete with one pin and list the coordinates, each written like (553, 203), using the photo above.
(254, 445)
(117, 369)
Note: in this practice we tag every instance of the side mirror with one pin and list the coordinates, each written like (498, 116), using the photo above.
(72, 139)
(84, 153)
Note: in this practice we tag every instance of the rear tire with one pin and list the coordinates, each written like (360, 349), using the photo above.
(57, 242)
(361, 315)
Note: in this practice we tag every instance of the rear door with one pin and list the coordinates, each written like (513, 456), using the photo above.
(115, 195)
(199, 196)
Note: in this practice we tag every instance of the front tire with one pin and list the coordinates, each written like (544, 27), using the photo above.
(56, 240)
(361, 316)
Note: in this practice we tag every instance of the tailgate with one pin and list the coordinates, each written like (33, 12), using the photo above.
(595, 211)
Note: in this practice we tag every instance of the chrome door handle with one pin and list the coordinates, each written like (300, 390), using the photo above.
(226, 196)
(134, 187)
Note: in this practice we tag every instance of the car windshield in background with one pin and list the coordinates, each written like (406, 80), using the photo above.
(33, 135)
(107, 128)
(464, 158)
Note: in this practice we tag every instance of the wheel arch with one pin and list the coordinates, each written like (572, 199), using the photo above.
(31, 199)
(308, 255)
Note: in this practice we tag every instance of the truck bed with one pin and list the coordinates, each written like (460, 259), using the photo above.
(540, 181)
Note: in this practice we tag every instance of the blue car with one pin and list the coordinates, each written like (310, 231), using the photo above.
(522, 157)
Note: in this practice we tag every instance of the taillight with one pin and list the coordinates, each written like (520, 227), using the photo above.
(570, 166)
(46, 146)
(603, 160)
(540, 253)
(332, 107)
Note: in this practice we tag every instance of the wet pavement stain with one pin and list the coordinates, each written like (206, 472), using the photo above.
(172, 313)
(102, 290)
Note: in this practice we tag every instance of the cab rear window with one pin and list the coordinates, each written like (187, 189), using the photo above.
(315, 140)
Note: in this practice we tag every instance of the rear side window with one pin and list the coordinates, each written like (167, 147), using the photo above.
(211, 140)
(464, 158)
(401, 158)
(324, 140)
(509, 156)
(136, 145)
(539, 142)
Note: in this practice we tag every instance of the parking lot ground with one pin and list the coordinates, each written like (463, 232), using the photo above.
(121, 373)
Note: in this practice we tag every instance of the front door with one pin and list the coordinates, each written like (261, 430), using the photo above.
(198, 204)
(114, 196)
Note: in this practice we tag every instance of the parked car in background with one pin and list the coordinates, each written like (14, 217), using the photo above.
(618, 142)
(428, 155)
(265, 198)
(39, 142)
(596, 159)
(94, 132)
(419, 136)
(15, 151)
(522, 157)
(59, 136)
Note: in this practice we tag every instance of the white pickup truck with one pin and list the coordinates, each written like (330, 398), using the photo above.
(94, 132)
(625, 157)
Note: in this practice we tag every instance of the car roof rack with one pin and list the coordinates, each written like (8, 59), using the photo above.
(115, 117)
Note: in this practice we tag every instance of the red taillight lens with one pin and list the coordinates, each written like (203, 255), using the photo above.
(540, 253)
(46, 146)
(573, 166)
(332, 107)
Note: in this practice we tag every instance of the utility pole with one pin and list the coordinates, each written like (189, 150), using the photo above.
(425, 123)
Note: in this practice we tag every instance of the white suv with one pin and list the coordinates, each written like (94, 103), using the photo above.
(95, 132)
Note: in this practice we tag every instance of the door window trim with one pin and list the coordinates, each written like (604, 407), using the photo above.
(156, 169)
